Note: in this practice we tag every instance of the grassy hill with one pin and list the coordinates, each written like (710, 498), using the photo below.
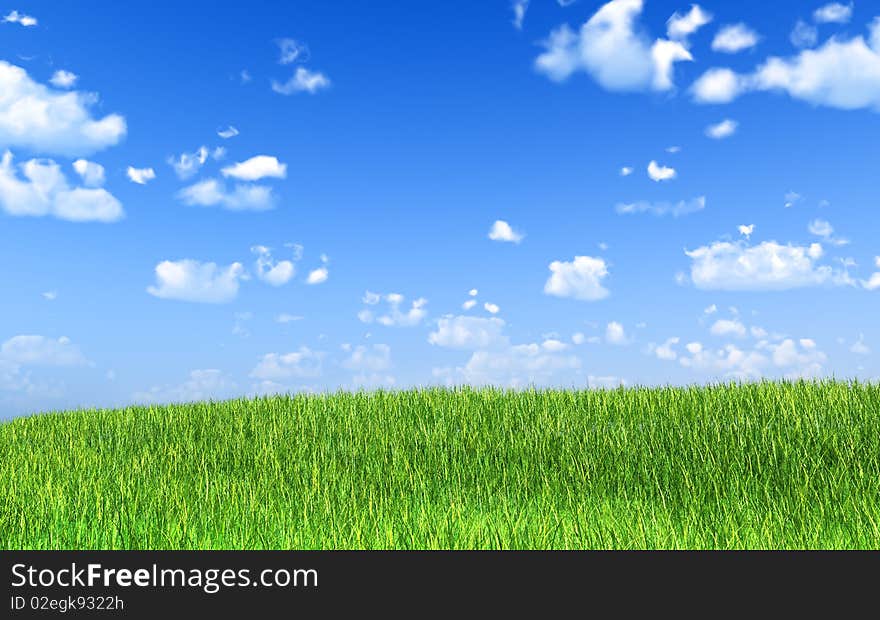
(767, 465)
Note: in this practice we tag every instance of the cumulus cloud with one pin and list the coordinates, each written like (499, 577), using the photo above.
(44, 190)
(34, 350)
(611, 49)
(302, 363)
(833, 13)
(728, 327)
(39, 118)
(271, 271)
(285, 317)
(841, 73)
(14, 17)
(141, 176)
(859, 347)
(191, 280)
(724, 129)
(302, 81)
(203, 384)
(581, 278)
(681, 26)
(734, 38)
(625, 171)
(615, 334)
(501, 231)
(746, 230)
(873, 283)
(394, 317)
(318, 276)
(467, 332)
(767, 266)
(514, 366)
(660, 173)
(491, 308)
(186, 165)
(666, 350)
(213, 193)
(682, 207)
(63, 79)
(256, 168)
(91, 173)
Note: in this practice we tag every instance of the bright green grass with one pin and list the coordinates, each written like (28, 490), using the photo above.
(768, 465)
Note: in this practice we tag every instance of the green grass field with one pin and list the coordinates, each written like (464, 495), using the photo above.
(766, 465)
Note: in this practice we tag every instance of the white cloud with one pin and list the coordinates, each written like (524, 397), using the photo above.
(317, 276)
(470, 303)
(873, 283)
(91, 173)
(841, 73)
(14, 17)
(32, 350)
(191, 280)
(728, 327)
(682, 207)
(514, 366)
(660, 173)
(746, 230)
(791, 199)
(803, 34)
(792, 358)
(581, 278)
(63, 79)
(519, 12)
(473, 292)
(501, 231)
(767, 266)
(200, 385)
(141, 176)
(38, 118)
(44, 191)
(673, 149)
(734, 38)
(626, 171)
(833, 13)
(50, 295)
(467, 332)
(680, 27)
(229, 132)
(187, 165)
(256, 168)
(615, 334)
(302, 80)
(820, 228)
(665, 351)
(395, 317)
(609, 48)
(859, 347)
(243, 197)
(291, 51)
(578, 338)
(302, 363)
(284, 317)
(717, 86)
(712, 309)
(491, 308)
(724, 129)
(270, 271)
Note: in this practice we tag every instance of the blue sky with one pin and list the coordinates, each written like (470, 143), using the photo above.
(210, 200)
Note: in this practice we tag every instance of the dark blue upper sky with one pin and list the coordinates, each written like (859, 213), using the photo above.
(396, 138)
